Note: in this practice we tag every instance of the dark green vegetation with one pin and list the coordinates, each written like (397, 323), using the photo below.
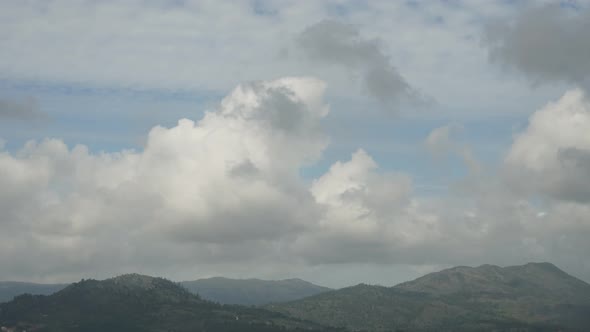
(252, 291)
(532, 297)
(10, 289)
(221, 290)
(134, 303)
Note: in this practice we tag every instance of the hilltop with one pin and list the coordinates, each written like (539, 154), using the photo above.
(216, 289)
(531, 297)
(137, 303)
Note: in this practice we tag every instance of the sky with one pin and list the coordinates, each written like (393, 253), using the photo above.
(336, 141)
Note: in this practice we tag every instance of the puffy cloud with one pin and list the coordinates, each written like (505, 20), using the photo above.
(374, 216)
(227, 186)
(545, 43)
(225, 192)
(368, 216)
(334, 42)
(552, 156)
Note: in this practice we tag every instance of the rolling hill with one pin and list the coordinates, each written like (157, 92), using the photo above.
(217, 289)
(531, 297)
(134, 303)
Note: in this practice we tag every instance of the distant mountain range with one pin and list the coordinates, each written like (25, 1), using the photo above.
(10, 289)
(217, 289)
(252, 291)
(531, 297)
(136, 303)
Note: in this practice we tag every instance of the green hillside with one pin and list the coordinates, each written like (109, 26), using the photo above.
(137, 303)
(217, 289)
(532, 297)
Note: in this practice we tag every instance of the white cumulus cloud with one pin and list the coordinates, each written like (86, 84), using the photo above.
(552, 156)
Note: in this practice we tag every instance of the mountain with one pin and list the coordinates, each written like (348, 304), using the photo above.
(543, 279)
(10, 289)
(252, 291)
(217, 289)
(134, 303)
(531, 297)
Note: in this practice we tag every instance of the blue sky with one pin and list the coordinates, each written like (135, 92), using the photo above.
(436, 133)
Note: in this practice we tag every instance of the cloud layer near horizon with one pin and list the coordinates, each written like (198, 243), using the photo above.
(226, 190)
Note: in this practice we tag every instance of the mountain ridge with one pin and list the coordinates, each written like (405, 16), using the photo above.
(529, 297)
(250, 291)
(137, 303)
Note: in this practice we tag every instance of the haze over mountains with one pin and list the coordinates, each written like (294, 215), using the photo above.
(530, 297)
(252, 291)
(10, 289)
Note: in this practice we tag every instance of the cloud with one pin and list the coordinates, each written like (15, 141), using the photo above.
(20, 110)
(369, 216)
(336, 43)
(218, 190)
(441, 143)
(550, 158)
(225, 193)
(439, 140)
(113, 45)
(102, 47)
(546, 43)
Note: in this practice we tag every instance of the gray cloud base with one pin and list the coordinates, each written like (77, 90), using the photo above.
(336, 43)
(546, 44)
